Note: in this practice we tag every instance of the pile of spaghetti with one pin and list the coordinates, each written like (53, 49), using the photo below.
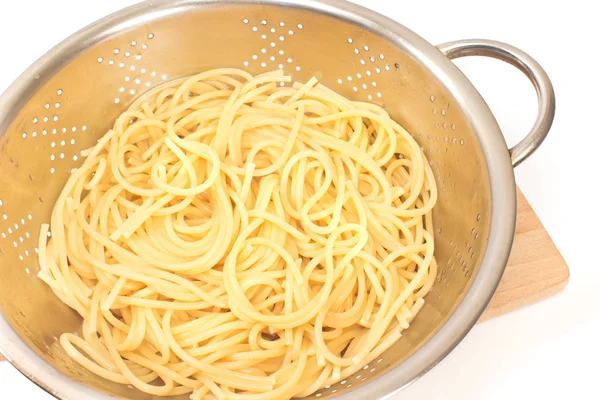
(242, 237)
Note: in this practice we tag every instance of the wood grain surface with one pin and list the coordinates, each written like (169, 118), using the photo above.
(535, 270)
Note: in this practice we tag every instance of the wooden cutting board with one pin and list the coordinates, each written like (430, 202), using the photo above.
(535, 270)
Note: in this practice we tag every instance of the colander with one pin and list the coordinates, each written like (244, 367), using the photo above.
(71, 95)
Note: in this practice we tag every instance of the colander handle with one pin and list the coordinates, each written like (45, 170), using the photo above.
(533, 71)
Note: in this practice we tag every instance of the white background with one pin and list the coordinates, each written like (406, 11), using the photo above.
(549, 350)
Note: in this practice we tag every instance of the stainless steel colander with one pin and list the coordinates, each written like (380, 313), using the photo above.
(71, 96)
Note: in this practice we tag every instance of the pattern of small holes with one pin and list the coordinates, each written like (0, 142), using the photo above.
(137, 78)
(16, 233)
(374, 64)
(441, 111)
(443, 137)
(272, 54)
(461, 260)
(63, 138)
(49, 115)
(347, 383)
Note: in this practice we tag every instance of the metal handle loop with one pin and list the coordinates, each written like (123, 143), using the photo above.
(533, 71)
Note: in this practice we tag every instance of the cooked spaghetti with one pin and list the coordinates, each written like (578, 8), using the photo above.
(240, 237)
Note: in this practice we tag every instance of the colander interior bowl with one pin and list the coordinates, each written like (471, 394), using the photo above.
(71, 96)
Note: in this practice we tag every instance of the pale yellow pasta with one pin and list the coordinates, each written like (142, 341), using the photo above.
(239, 237)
